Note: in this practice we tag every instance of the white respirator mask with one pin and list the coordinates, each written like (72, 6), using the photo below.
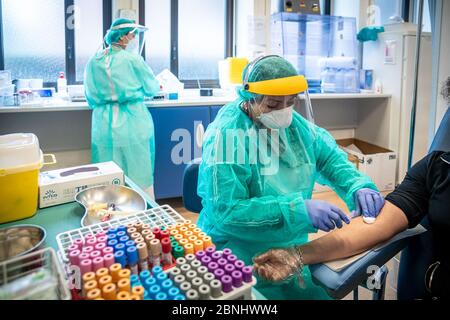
(133, 46)
(278, 119)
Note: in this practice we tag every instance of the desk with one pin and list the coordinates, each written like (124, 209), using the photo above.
(65, 217)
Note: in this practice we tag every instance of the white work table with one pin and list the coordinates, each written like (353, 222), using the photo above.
(182, 102)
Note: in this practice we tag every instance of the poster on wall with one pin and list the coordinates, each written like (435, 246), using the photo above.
(390, 48)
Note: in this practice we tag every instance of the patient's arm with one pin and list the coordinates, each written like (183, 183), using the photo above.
(278, 264)
(356, 237)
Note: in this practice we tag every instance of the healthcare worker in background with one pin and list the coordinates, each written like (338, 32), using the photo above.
(248, 206)
(116, 81)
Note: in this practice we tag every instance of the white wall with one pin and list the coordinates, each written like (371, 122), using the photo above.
(351, 8)
(252, 42)
(126, 5)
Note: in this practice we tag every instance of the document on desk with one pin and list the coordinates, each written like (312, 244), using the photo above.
(341, 264)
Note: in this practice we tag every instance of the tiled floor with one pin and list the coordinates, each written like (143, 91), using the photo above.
(330, 197)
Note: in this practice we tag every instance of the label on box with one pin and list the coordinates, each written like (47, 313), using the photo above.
(61, 186)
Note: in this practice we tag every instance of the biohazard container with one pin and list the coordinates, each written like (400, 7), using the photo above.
(20, 162)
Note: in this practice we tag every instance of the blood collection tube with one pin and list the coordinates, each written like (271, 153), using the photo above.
(164, 234)
(157, 233)
(138, 226)
(139, 291)
(133, 258)
(103, 281)
(115, 269)
(109, 291)
(166, 251)
(94, 294)
(143, 256)
(122, 296)
(101, 273)
(155, 249)
(124, 285)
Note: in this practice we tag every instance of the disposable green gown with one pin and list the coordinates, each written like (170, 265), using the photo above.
(251, 212)
(116, 82)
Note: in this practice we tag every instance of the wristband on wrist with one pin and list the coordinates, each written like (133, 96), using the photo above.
(301, 281)
(429, 280)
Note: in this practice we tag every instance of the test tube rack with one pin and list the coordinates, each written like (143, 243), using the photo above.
(21, 266)
(160, 217)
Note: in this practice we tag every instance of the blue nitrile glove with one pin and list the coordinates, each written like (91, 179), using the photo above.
(368, 202)
(325, 216)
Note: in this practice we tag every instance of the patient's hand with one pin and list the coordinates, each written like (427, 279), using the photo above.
(277, 264)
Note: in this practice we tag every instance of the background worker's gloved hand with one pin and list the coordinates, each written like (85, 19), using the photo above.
(325, 216)
(369, 202)
(277, 265)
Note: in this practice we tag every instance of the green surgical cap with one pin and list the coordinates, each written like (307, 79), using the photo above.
(114, 36)
(272, 67)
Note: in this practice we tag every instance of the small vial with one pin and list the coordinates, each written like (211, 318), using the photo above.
(161, 296)
(185, 268)
(185, 287)
(179, 279)
(154, 290)
(190, 257)
(178, 252)
(208, 277)
(192, 295)
(204, 292)
(155, 249)
(167, 284)
(197, 282)
(196, 264)
(124, 285)
(173, 292)
(149, 283)
(166, 251)
(191, 274)
(174, 272)
(216, 288)
(143, 256)
(202, 270)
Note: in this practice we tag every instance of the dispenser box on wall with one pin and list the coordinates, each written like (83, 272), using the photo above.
(302, 6)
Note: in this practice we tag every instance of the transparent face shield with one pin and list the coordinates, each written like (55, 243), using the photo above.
(135, 39)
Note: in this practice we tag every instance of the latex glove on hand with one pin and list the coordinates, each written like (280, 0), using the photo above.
(369, 203)
(277, 265)
(325, 216)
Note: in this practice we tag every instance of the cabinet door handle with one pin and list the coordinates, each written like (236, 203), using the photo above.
(199, 134)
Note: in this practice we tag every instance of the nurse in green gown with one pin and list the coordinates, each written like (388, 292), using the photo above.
(260, 162)
(116, 81)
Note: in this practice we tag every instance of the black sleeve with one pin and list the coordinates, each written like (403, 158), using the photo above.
(412, 195)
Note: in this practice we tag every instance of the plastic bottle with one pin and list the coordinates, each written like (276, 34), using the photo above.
(62, 85)
(378, 87)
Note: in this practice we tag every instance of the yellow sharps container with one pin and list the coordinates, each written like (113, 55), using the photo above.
(20, 162)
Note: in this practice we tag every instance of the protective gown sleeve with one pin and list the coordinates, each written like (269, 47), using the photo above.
(224, 188)
(336, 171)
(150, 84)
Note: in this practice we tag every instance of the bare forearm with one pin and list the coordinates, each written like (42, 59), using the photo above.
(355, 237)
